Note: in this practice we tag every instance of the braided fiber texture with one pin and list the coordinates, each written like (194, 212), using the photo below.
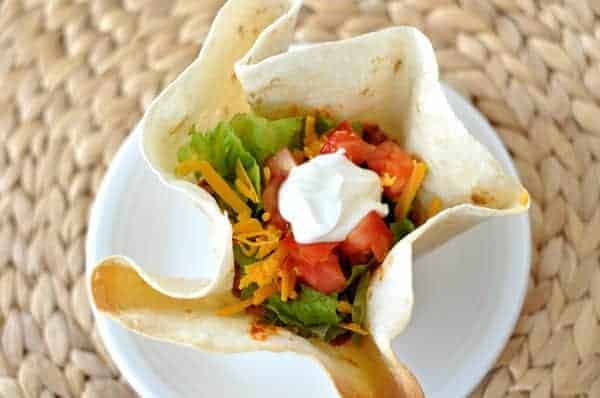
(75, 76)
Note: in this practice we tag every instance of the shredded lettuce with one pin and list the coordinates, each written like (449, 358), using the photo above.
(323, 124)
(327, 332)
(357, 271)
(240, 258)
(248, 291)
(401, 228)
(221, 147)
(359, 306)
(263, 138)
(310, 309)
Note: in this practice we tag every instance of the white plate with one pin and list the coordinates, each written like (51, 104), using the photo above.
(468, 293)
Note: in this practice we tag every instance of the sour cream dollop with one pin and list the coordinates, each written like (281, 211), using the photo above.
(326, 197)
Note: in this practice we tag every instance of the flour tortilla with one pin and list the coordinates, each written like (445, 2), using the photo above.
(389, 78)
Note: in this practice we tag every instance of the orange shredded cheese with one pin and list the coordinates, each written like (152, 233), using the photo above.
(387, 180)
(222, 189)
(247, 225)
(312, 142)
(285, 285)
(435, 205)
(410, 190)
(354, 327)
(266, 216)
(314, 149)
(266, 248)
(267, 174)
(251, 237)
(243, 183)
(344, 307)
(260, 295)
(310, 135)
(288, 284)
(186, 167)
(262, 272)
(263, 293)
(234, 308)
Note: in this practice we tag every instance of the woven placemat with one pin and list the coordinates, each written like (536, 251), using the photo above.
(75, 77)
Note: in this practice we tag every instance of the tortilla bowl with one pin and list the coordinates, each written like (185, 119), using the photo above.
(388, 77)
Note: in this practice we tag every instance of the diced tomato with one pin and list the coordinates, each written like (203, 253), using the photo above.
(279, 166)
(389, 158)
(316, 264)
(371, 234)
(325, 276)
(357, 150)
(310, 252)
(372, 134)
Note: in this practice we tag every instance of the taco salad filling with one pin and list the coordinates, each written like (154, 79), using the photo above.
(315, 206)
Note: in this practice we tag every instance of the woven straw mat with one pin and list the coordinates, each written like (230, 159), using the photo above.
(75, 76)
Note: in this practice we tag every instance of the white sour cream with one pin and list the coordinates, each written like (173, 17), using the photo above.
(326, 197)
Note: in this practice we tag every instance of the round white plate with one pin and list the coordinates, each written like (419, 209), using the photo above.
(468, 293)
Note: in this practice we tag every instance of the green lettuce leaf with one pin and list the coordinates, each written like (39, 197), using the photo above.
(359, 306)
(323, 124)
(311, 308)
(240, 258)
(221, 147)
(248, 291)
(357, 271)
(263, 137)
(401, 228)
(326, 332)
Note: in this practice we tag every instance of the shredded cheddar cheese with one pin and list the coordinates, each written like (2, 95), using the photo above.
(435, 205)
(186, 167)
(288, 284)
(344, 307)
(263, 293)
(246, 225)
(387, 180)
(254, 239)
(314, 149)
(243, 183)
(260, 295)
(266, 248)
(410, 190)
(312, 142)
(267, 174)
(262, 272)
(285, 285)
(354, 327)
(266, 216)
(216, 182)
(234, 308)
(310, 135)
